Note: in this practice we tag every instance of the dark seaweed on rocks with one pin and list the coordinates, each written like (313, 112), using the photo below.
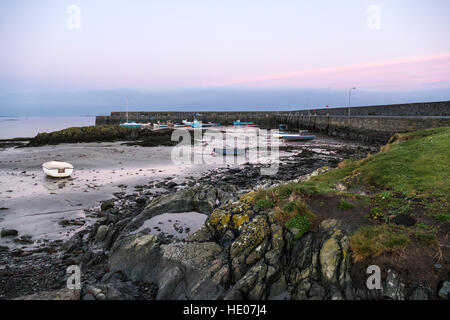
(107, 133)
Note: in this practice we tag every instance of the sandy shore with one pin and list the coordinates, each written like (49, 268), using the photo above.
(34, 204)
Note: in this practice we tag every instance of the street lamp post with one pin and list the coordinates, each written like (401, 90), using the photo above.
(349, 99)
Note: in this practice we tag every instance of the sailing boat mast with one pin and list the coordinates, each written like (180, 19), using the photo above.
(128, 124)
(127, 109)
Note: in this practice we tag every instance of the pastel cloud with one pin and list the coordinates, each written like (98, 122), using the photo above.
(404, 73)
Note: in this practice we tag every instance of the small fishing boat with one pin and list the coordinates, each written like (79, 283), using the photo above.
(177, 125)
(130, 124)
(279, 134)
(230, 151)
(199, 124)
(296, 137)
(196, 124)
(241, 123)
(57, 169)
(210, 124)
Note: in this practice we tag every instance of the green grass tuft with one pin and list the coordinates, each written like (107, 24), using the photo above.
(371, 241)
(265, 204)
(300, 224)
(442, 217)
(344, 205)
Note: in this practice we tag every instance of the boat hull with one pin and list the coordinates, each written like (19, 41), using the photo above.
(56, 169)
(134, 125)
(279, 134)
(296, 138)
(236, 152)
(239, 123)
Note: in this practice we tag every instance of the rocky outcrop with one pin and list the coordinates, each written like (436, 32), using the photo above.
(202, 198)
(180, 270)
(444, 291)
(143, 137)
(243, 253)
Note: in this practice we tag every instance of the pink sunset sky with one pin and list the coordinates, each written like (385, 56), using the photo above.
(384, 45)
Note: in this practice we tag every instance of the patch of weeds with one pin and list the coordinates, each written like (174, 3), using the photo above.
(371, 241)
(312, 187)
(290, 206)
(283, 191)
(394, 203)
(401, 209)
(291, 209)
(442, 217)
(299, 225)
(376, 214)
(265, 204)
(426, 234)
(439, 210)
(344, 205)
(434, 206)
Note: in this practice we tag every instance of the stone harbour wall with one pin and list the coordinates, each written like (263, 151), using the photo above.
(373, 124)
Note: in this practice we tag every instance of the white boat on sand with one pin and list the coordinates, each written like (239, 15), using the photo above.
(57, 169)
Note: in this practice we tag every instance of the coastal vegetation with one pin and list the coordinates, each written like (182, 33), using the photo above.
(403, 192)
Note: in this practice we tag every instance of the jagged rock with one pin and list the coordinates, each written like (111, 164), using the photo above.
(112, 277)
(88, 297)
(182, 270)
(204, 234)
(252, 235)
(330, 255)
(444, 291)
(317, 292)
(251, 284)
(249, 245)
(8, 233)
(420, 293)
(257, 254)
(394, 288)
(277, 237)
(101, 233)
(300, 264)
(336, 294)
(334, 258)
(199, 199)
(169, 281)
(277, 288)
(109, 204)
(350, 293)
(233, 294)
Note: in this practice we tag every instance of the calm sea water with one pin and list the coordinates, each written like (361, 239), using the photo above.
(15, 127)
